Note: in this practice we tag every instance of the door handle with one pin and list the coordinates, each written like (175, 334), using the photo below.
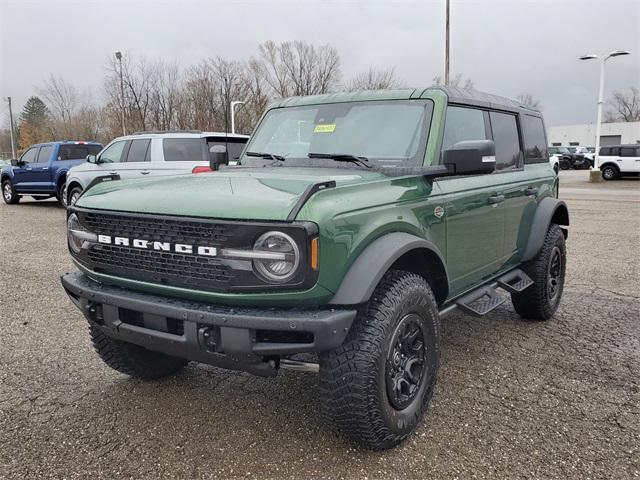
(145, 172)
(113, 173)
(28, 169)
(495, 199)
(530, 191)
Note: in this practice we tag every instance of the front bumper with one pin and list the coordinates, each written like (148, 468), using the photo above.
(231, 337)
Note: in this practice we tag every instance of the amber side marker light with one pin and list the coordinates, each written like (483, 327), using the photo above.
(314, 253)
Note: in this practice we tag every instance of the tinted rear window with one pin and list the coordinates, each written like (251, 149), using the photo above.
(534, 138)
(630, 152)
(182, 150)
(77, 152)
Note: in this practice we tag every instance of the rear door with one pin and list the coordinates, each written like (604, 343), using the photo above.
(136, 159)
(23, 175)
(630, 159)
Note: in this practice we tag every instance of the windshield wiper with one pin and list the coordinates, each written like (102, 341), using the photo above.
(342, 157)
(268, 156)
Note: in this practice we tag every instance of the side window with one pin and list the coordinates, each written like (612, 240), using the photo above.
(629, 152)
(183, 149)
(463, 124)
(30, 155)
(113, 153)
(505, 136)
(45, 154)
(605, 151)
(534, 139)
(138, 150)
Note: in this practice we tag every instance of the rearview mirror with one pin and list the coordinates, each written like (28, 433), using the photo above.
(218, 155)
(92, 159)
(15, 162)
(471, 157)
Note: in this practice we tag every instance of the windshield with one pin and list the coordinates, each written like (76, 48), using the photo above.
(391, 133)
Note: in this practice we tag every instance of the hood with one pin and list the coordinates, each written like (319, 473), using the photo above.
(243, 194)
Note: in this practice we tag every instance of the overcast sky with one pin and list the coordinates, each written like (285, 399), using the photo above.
(505, 47)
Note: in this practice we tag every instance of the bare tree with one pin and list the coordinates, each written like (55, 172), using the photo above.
(527, 100)
(139, 77)
(63, 100)
(374, 79)
(624, 106)
(300, 68)
(458, 82)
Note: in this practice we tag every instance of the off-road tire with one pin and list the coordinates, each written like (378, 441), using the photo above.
(540, 301)
(610, 172)
(353, 381)
(133, 360)
(8, 188)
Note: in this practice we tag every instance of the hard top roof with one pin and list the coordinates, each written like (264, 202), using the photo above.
(453, 94)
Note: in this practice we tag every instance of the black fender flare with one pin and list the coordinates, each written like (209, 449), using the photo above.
(375, 260)
(548, 209)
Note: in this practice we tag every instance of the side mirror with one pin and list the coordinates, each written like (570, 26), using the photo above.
(471, 157)
(218, 155)
(92, 159)
(15, 162)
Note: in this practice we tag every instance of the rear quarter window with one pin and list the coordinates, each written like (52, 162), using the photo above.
(535, 139)
(183, 150)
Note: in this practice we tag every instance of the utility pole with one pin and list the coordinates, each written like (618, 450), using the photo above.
(446, 47)
(13, 142)
(119, 57)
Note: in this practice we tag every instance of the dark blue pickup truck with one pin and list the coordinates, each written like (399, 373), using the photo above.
(41, 171)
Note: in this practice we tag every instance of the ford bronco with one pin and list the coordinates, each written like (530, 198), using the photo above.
(352, 223)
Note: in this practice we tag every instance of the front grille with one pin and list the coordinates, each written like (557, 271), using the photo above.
(169, 268)
(176, 269)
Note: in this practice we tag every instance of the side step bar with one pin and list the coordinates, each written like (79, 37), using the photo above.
(484, 299)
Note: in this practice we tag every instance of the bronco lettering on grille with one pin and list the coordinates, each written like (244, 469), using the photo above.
(204, 251)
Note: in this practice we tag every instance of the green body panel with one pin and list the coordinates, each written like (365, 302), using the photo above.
(478, 240)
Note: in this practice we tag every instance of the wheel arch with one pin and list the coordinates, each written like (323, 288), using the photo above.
(550, 211)
(610, 164)
(398, 250)
(61, 177)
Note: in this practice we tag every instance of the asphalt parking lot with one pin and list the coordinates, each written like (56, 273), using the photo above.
(514, 399)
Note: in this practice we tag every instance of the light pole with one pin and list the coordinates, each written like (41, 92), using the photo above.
(233, 114)
(13, 142)
(446, 46)
(119, 57)
(594, 176)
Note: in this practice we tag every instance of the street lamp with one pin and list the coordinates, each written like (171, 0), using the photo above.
(233, 114)
(119, 58)
(596, 157)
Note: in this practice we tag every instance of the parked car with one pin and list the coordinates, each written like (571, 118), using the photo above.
(41, 171)
(560, 156)
(351, 226)
(586, 152)
(151, 154)
(619, 161)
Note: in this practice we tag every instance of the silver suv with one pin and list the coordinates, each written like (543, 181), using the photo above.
(152, 154)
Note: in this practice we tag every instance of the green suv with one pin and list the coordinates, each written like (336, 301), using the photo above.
(351, 225)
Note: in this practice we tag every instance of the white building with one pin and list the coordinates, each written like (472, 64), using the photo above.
(585, 135)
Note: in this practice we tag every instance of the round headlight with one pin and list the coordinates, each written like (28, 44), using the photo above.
(284, 253)
(77, 234)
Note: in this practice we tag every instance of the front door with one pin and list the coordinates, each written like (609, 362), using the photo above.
(23, 175)
(41, 171)
(473, 207)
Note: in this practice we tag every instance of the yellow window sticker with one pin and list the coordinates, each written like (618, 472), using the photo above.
(325, 128)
